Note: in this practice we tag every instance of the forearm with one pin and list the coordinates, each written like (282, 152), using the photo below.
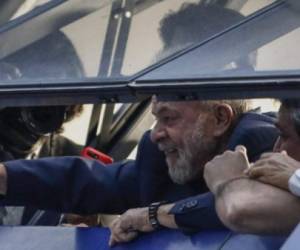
(248, 206)
(191, 215)
(196, 213)
(69, 184)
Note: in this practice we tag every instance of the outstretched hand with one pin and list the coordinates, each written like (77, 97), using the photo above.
(223, 168)
(274, 169)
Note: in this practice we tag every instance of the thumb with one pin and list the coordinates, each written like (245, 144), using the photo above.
(283, 152)
(242, 149)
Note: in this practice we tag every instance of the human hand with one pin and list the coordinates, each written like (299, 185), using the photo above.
(126, 227)
(274, 169)
(225, 167)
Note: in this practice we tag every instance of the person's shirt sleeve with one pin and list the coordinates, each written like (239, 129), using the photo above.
(196, 213)
(72, 184)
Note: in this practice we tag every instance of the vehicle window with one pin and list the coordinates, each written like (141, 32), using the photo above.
(256, 48)
(20, 8)
(97, 40)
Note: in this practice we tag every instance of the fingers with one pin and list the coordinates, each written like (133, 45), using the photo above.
(121, 233)
(266, 155)
(118, 235)
(270, 154)
(256, 172)
(242, 149)
(121, 237)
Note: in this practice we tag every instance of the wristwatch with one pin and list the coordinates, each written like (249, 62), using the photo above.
(152, 214)
(294, 183)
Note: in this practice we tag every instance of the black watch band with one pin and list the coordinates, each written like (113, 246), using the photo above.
(152, 213)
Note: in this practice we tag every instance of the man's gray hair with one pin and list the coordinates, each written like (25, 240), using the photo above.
(239, 106)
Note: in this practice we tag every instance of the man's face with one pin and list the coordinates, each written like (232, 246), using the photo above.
(288, 140)
(184, 134)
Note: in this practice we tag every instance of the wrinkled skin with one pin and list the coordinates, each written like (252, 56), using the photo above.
(184, 132)
(225, 168)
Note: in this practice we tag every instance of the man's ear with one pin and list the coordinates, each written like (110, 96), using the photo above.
(223, 117)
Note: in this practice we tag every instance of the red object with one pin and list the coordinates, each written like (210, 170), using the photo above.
(91, 153)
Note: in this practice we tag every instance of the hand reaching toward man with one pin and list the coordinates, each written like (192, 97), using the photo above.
(225, 168)
(274, 169)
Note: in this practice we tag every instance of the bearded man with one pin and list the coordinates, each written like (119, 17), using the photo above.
(188, 133)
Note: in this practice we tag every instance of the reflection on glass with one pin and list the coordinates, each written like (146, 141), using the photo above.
(157, 32)
(265, 45)
(280, 54)
(117, 39)
(26, 6)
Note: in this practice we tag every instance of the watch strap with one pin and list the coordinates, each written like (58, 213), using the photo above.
(152, 214)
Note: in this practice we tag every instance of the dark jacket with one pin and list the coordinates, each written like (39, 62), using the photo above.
(74, 184)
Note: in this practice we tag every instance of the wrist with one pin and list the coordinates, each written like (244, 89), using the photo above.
(153, 214)
(218, 189)
(165, 218)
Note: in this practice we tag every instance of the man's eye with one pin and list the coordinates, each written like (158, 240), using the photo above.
(168, 119)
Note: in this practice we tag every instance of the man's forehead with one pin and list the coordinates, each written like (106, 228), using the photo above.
(160, 106)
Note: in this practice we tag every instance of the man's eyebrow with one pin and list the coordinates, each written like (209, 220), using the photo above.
(161, 110)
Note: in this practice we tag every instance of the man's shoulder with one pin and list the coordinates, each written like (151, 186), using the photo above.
(255, 119)
(257, 132)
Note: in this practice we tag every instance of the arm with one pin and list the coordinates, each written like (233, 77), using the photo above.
(191, 215)
(247, 206)
(126, 227)
(70, 184)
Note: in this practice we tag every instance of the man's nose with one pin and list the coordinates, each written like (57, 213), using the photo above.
(277, 145)
(157, 133)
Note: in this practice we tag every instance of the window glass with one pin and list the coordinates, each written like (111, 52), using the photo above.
(263, 46)
(95, 40)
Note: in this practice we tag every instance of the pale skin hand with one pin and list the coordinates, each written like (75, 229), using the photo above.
(223, 168)
(274, 169)
(3, 180)
(126, 227)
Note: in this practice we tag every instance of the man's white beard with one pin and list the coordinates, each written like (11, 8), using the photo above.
(191, 159)
(182, 170)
